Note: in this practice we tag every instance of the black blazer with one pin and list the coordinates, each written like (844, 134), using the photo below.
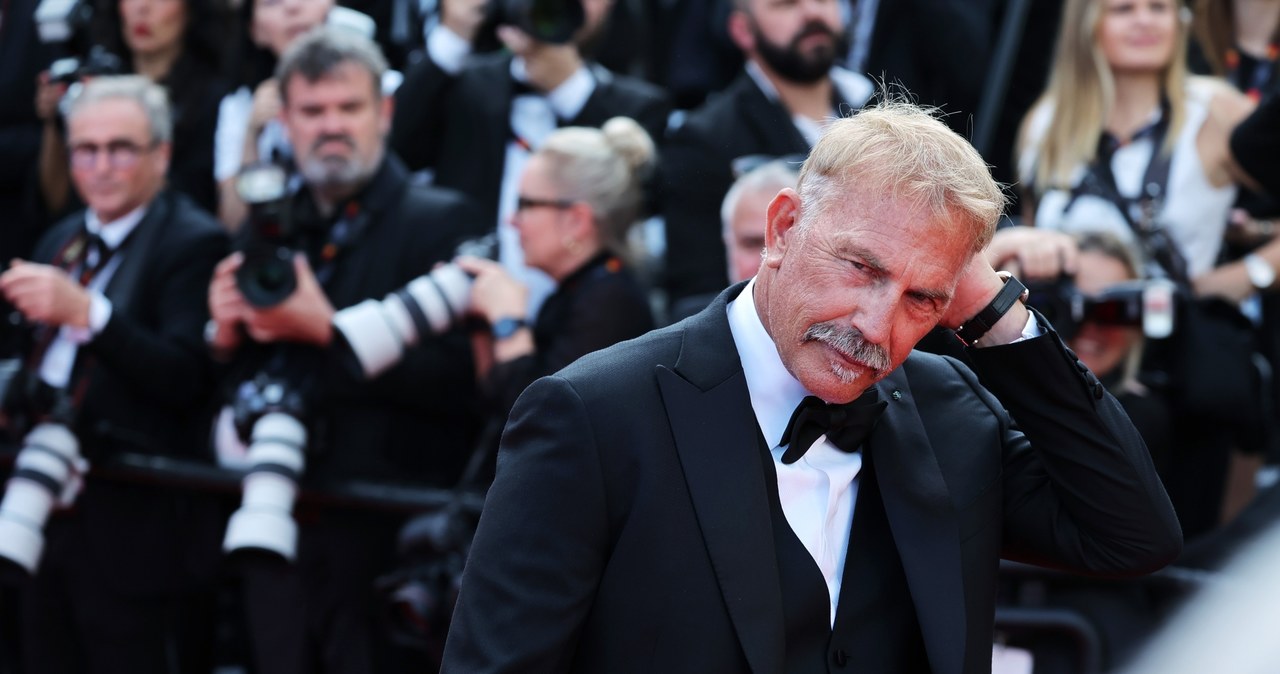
(149, 385)
(459, 126)
(596, 306)
(697, 171)
(628, 529)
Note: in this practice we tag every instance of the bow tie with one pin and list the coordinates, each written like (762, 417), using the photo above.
(846, 426)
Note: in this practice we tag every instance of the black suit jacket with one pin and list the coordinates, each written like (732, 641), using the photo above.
(459, 126)
(149, 382)
(628, 529)
(697, 171)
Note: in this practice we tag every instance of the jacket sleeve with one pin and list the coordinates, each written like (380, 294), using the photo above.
(1080, 490)
(523, 611)
(168, 363)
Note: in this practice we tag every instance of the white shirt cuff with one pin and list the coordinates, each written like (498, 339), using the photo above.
(447, 49)
(1031, 330)
(99, 313)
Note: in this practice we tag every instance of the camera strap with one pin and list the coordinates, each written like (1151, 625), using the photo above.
(1141, 212)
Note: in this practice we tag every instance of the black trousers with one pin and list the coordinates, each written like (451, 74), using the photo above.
(322, 613)
(73, 621)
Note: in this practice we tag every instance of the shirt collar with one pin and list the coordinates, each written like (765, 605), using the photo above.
(115, 232)
(568, 99)
(774, 392)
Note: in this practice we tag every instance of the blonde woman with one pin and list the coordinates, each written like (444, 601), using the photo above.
(1124, 137)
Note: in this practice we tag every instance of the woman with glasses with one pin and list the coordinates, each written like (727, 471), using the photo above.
(178, 44)
(578, 196)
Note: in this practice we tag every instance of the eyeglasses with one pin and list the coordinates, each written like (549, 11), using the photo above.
(750, 162)
(121, 154)
(524, 203)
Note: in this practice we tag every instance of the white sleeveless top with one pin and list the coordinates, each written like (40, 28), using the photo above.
(1194, 211)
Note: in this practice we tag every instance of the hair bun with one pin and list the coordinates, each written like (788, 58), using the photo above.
(626, 137)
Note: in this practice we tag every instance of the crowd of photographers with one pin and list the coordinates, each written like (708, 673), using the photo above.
(323, 249)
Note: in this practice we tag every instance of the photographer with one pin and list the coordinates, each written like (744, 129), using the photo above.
(113, 295)
(362, 232)
(178, 44)
(473, 121)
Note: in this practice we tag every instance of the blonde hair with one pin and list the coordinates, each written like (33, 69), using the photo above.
(898, 148)
(605, 168)
(1081, 93)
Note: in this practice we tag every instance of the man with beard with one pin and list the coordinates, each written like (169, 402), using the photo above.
(780, 483)
(363, 232)
(789, 91)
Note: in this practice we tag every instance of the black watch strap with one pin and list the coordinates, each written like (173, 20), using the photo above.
(974, 328)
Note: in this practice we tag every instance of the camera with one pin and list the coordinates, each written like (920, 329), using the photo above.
(266, 276)
(63, 22)
(1149, 305)
(267, 413)
(379, 331)
(99, 61)
(49, 468)
(551, 21)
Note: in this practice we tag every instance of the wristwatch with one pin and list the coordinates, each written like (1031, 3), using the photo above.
(1261, 274)
(507, 326)
(974, 328)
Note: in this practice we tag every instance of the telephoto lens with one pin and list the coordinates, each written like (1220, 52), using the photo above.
(264, 522)
(47, 471)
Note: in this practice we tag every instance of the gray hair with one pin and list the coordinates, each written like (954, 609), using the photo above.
(901, 149)
(768, 178)
(605, 168)
(149, 96)
(321, 51)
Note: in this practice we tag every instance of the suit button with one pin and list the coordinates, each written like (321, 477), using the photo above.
(840, 657)
(1098, 391)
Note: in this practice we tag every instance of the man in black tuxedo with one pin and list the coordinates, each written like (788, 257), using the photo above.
(365, 232)
(115, 295)
(655, 510)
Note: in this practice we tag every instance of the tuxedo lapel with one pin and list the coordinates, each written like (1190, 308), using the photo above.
(922, 519)
(716, 438)
(769, 121)
(123, 287)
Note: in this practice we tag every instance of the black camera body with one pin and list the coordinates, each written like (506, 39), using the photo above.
(72, 69)
(1148, 305)
(550, 21)
(266, 276)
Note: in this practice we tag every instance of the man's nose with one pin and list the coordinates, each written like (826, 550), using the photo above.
(875, 319)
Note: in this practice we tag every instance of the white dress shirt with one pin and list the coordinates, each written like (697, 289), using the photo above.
(817, 492)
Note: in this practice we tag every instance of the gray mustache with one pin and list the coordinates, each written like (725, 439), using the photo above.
(850, 343)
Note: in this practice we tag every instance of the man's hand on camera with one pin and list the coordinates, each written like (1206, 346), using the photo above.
(45, 294)
(494, 293)
(305, 317)
(227, 307)
(1033, 254)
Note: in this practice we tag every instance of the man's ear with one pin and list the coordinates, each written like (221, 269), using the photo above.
(386, 114)
(780, 226)
(740, 31)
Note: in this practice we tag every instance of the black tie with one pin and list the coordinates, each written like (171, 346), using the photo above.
(846, 426)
